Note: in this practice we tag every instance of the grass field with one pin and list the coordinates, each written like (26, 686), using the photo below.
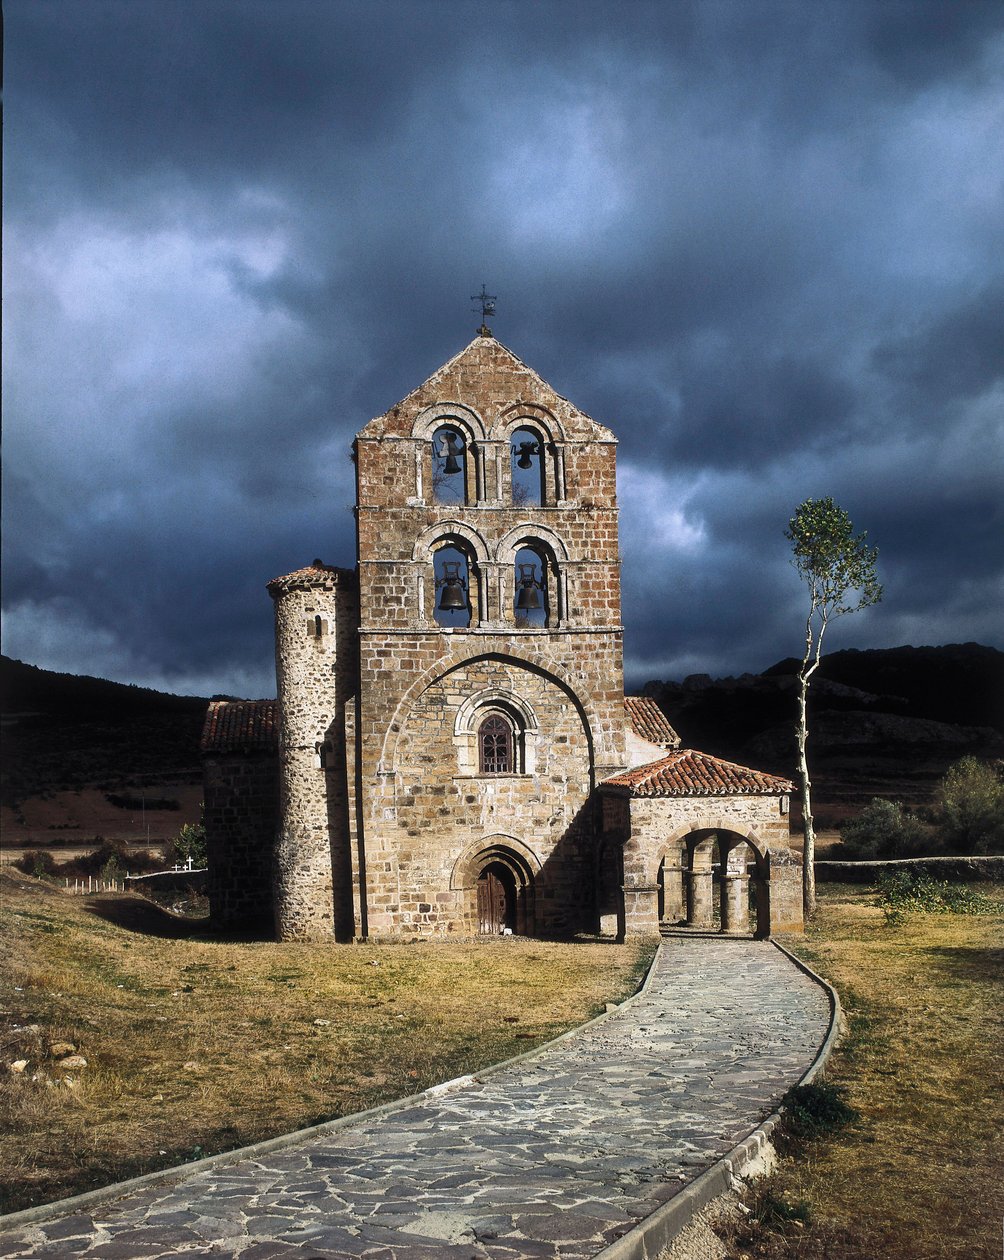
(921, 1175)
(195, 1046)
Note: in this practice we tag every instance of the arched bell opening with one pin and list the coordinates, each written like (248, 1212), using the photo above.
(531, 598)
(527, 468)
(450, 466)
(454, 587)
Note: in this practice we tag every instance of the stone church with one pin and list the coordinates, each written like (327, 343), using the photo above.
(451, 752)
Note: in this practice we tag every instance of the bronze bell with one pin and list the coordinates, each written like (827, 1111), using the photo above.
(527, 450)
(450, 448)
(453, 592)
(528, 598)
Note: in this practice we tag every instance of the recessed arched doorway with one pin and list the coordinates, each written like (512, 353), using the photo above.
(497, 878)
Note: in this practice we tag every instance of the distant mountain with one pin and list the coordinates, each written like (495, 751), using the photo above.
(882, 722)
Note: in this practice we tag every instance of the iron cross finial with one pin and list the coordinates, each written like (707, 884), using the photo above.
(487, 301)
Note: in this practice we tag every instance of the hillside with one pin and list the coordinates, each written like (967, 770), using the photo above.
(883, 722)
(83, 756)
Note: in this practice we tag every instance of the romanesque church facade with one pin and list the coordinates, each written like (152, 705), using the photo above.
(451, 752)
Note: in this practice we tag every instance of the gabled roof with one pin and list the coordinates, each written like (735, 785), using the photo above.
(688, 772)
(241, 726)
(488, 376)
(649, 722)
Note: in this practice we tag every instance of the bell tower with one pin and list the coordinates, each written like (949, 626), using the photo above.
(490, 647)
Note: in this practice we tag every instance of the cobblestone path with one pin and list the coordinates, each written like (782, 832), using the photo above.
(556, 1155)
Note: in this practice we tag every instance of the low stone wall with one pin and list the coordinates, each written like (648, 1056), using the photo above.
(163, 881)
(956, 869)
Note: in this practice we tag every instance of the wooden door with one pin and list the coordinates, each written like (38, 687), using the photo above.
(491, 904)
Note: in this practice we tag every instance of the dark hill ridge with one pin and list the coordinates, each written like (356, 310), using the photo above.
(882, 722)
(63, 732)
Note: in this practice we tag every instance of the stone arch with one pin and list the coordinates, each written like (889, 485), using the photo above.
(446, 531)
(520, 868)
(731, 883)
(515, 414)
(528, 533)
(537, 662)
(429, 419)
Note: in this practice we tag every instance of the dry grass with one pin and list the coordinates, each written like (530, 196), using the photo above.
(195, 1045)
(921, 1175)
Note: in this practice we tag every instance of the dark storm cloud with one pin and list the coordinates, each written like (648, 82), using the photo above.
(762, 241)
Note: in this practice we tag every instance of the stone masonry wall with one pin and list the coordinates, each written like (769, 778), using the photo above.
(241, 816)
(437, 809)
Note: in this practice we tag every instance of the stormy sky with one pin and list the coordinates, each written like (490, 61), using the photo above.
(763, 242)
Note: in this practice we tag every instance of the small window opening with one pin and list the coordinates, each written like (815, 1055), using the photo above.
(449, 466)
(527, 469)
(495, 746)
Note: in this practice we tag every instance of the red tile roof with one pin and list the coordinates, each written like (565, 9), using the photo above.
(314, 575)
(649, 722)
(687, 772)
(241, 726)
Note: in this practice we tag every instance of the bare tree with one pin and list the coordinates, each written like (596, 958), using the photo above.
(838, 568)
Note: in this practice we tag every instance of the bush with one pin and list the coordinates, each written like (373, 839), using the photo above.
(190, 842)
(813, 1111)
(903, 892)
(41, 865)
(884, 829)
(972, 807)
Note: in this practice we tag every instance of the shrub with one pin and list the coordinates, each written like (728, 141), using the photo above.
(972, 807)
(884, 829)
(903, 892)
(41, 865)
(190, 842)
(812, 1111)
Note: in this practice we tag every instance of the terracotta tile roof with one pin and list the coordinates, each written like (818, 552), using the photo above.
(241, 726)
(316, 574)
(649, 722)
(687, 772)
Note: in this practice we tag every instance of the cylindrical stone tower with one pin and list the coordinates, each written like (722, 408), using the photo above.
(317, 670)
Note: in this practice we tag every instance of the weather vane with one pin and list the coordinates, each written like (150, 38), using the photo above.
(487, 301)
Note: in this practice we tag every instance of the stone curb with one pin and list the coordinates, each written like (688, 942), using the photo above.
(180, 1172)
(652, 1235)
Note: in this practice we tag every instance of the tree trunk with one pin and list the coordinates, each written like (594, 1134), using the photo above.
(808, 833)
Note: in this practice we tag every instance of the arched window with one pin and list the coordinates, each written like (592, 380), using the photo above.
(495, 746)
(531, 603)
(452, 587)
(449, 465)
(527, 468)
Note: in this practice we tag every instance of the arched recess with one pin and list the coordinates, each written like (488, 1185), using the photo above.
(541, 663)
(534, 556)
(472, 714)
(435, 540)
(497, 877)
(543, 429)
(430, 427)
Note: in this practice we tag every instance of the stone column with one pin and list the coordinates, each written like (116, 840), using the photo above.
(700, 898)
(674, 894)
(735, 902)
